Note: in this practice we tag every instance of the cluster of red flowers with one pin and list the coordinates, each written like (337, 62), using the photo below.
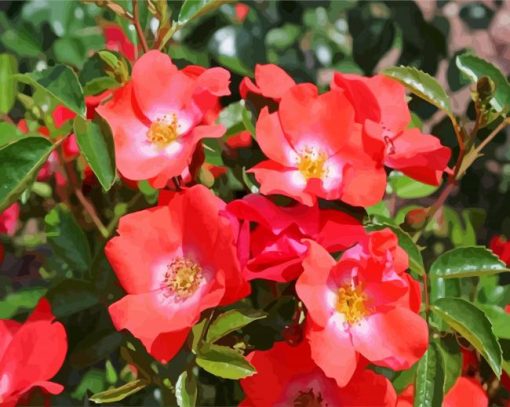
(194, 252)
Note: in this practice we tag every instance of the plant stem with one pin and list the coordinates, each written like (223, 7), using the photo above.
(494, 133)
(136, 21)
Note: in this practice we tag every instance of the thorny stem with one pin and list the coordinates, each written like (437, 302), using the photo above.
(136, 21)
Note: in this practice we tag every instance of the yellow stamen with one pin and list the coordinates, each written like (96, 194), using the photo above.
(183, 277)
(311, 163)
(352, 303)
(163, 131)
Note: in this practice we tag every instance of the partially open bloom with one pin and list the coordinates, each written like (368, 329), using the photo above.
(276, 246)
(156, 117)
(381, 107)
(501, 247)
(9, 219)
(361, 305)
(287, 376)
(315, 149)
(116, 40)
(174, 261)
(271, 82)
(31, 354)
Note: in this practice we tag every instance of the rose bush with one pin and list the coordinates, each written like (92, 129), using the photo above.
(206, 203)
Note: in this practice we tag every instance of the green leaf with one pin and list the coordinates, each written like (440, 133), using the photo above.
(8, 67)
(60, 82)
(473, 325)
(71, 296)
(194, 8)
(224, 362)
(499, 318)
(452, 360)
(429, 379)
(23, 299)
(404, 378)
(186, 390)
(404, 241)
(118, 393)
(408, 188)
(96, 144)
(441, 288)
(24, 40)
(422, 85)
(9, 133)
(231, 321)
(67, 238)
(475, 67)
(20, 162)
(473, 261)
(95, 347)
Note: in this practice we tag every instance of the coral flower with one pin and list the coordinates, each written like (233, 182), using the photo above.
(381, 106)
(271, 82)
(501, 247)
(465, 392)
(361, 305)
(31, 354)
(174, 261)
(287, 376)
(156, 117)
(315, 149)
(276, 249)
(9, 219)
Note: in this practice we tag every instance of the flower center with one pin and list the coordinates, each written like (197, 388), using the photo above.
(163, 131)
(352, 303)
(308, 399)
(311, 163)
(183, 277)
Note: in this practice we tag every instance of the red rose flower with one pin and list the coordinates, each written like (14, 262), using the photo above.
(271, 82)
(287, 376)
(361, 305)
(9, 219)
(116, 40)
(174, 261)
(465, 392)
(276, 249)
(155, 118)
(381, 107)
(501, 247)
(316, 150)
(30, 354)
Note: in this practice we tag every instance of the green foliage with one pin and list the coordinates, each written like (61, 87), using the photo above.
(61, 83)
(430, 379)
(118, 393)
(472, 324)
(96, 145)
(20, 162)
(224, 362)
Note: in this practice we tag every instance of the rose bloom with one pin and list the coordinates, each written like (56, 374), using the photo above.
(30, 354)
(271, 82)
(316, 150)
(116, 40)
(276, 247)
(465, 392)
(501, 247)
(156, 117)
(381, 107)
(287, 376)
(360, 305)
(174, 261)
(9, 219)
